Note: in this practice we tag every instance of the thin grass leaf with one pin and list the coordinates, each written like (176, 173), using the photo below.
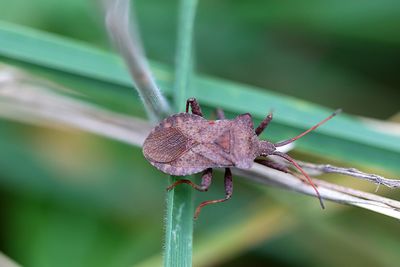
(183, 71)
(347, 138)
(179, 221)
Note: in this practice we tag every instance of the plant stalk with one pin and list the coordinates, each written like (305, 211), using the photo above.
(179, 221)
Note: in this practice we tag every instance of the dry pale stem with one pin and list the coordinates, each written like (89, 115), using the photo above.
(39, 104)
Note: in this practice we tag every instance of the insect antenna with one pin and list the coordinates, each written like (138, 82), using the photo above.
(288, 158)
(309, 130)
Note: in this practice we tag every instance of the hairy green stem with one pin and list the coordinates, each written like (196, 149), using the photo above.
(179, 221)
(184, 53)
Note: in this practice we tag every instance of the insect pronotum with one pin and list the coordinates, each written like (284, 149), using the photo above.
(185, 143)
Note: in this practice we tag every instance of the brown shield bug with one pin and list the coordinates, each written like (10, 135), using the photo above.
(185, 143)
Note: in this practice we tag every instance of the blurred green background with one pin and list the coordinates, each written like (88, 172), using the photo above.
(73, 199)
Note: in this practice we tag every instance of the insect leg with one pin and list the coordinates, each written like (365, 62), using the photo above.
(273, 164)
(205, 182)
(264, 124)
(194, 105)
(220, 114)
(228, 193)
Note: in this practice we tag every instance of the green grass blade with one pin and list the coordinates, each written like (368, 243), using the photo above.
(184, 53)
(179, 221)
(179, 227)
(346, 137)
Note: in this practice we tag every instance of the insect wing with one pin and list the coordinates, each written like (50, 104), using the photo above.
(165, 145)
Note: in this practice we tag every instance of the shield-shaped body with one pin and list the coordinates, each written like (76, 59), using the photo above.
(186, 143)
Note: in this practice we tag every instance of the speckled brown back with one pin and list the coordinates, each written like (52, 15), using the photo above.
(168, 147)
(186, 143)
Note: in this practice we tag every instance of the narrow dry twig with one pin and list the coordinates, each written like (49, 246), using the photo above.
(327, 190)
(24, 99)
(36, 104)
(326, 168)
(126, 38)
